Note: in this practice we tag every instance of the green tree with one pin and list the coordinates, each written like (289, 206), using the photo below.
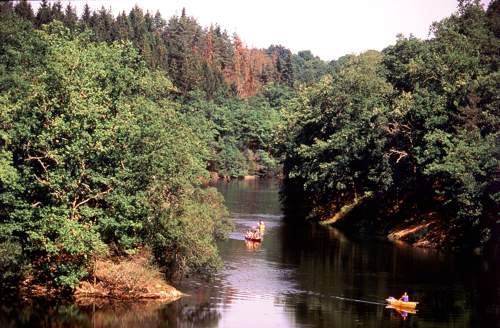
(24, 10)
(70, 19)
(44, 14)
(94, 156)
(415, 128)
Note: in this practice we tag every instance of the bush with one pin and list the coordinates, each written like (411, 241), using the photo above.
(12, 267)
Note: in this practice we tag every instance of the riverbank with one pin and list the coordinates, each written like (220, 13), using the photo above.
(368, 215)
(215, 177)
(114, 279)
(133, 278)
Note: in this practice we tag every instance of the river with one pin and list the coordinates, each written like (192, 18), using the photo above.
(302, 275)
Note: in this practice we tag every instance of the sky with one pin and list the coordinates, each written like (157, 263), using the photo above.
(329, 28)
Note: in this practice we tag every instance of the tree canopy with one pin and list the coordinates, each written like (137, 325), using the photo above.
(111, 126)
(413, 128)
(96, 158)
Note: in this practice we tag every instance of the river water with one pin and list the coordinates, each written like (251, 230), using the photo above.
(302, 275)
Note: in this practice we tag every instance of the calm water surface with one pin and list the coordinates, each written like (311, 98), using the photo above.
(302, 276)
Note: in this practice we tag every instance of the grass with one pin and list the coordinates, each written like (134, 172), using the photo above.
(127, 278)
(346, 209)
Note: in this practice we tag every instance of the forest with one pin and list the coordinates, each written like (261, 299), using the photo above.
(405, 138)
(111, 128)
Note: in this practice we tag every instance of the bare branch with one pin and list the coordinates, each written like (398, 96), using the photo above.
(401, 154)
(39, 160)
(98, 195)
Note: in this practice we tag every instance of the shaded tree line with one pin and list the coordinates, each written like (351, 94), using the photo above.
(405, 137)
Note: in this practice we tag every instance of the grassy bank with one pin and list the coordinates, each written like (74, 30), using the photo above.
(127, 278)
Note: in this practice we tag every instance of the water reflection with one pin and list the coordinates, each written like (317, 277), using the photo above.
(334, 280)
(111, 314)
(301, 275)
(252, 245)
(402, 312)
(42, 314)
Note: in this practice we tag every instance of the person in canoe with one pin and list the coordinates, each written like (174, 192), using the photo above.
(253, 235)
(261, 226)
(256, 234)
(405, 297)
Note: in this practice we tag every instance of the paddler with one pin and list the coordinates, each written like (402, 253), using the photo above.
(405, 297)
(261, 225)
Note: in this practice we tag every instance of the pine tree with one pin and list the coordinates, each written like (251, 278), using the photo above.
(23, 9)
(287, 76)
(70, 17)
(121, 28)
(44, 14)
(209, 46)
(86, 17)
(239, 61)
(57, 11)
(139, 29)
(6, 7)
(103, 25)
(158, 22)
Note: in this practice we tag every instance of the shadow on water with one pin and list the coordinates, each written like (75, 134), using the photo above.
(338, 272)
(301, 275)
(112, 314)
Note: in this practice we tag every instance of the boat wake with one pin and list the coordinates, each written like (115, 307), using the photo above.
(356, 300)
(347, 299)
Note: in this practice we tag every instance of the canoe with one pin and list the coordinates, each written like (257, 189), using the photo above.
(253, 239)
(400, 309)
(400, 304)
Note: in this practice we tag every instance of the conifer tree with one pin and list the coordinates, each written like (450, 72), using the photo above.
(57, 11)
(44, 14)
(121, 28)
(6, 7)
(23, 9)
(86, 17)
(70, 17)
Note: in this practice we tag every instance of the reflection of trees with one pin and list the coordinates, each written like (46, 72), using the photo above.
(114, 313)
(181, 314)
(199, 309)
(329, 264)
(126, 314)
(251, 196)
(40, 313)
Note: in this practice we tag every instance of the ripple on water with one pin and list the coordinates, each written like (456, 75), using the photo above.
(263, 216)
(260, 279)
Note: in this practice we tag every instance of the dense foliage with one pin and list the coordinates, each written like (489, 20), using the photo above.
(109, 126)
(411, 132)
(196, 58)
(211, 69)
(95, 157)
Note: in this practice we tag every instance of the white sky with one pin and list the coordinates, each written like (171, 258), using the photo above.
(329, 28)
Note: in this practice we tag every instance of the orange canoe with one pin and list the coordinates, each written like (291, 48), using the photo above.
(400, 304)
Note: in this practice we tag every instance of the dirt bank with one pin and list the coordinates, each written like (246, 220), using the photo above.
(127, 278)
